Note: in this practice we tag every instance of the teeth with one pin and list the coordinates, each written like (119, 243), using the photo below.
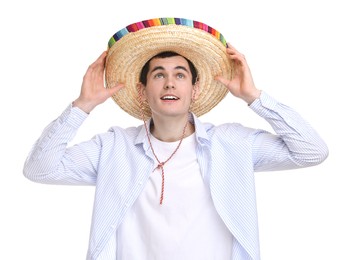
(169, 98)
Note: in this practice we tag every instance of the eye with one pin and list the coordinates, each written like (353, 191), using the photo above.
(158, 76)
(180, 76)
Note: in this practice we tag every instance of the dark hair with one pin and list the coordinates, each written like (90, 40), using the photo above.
(166, 54)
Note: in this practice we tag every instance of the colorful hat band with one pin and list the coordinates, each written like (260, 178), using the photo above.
(165, 21)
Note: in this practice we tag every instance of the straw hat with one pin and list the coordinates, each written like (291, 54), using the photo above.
(131, 47)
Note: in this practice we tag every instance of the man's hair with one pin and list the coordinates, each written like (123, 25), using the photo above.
(166, 54)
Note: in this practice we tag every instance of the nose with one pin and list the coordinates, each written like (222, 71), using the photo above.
(168, 86)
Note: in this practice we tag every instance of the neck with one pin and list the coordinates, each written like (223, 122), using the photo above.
(171, 130)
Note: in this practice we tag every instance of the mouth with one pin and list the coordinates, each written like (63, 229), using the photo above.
(169, 98)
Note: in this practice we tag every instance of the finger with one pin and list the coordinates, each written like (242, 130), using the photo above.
(222, 80)
(96, 69)
(236, 55)
(231, 50)
(99, 63)
(113, 90)
(238, 58)
(102, 57)
(230, 46)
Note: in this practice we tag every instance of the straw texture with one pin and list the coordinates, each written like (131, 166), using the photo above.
(131, 47)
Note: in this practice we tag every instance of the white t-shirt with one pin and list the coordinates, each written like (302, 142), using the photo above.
(186, 226)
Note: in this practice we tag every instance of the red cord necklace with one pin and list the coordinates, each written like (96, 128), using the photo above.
(161, 164)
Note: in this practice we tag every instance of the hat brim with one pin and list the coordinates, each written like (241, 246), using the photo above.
(128, 55)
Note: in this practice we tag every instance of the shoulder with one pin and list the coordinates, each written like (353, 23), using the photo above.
(117, 133)
(133, 130)
(229, 130)
(226, 131)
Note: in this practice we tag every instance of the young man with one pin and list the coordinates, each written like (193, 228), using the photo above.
(172, 188)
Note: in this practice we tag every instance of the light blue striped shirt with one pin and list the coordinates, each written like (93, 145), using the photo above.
(119, 162)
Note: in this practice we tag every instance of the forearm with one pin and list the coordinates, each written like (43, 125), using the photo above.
(305, 146)
(48, 160)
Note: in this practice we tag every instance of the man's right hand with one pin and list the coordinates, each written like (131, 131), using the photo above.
(93, 91)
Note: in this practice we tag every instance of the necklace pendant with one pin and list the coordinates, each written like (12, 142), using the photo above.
(160, 165)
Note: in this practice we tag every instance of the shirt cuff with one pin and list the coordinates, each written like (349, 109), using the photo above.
(73, 116)
(263, 104)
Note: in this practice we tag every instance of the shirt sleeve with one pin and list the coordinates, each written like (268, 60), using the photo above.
(51, 161)
(295, 143)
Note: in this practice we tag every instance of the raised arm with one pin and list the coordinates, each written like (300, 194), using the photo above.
(50, 160)
(295, 143)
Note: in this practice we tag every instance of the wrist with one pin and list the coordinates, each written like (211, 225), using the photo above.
(250, 98)
(84, 106)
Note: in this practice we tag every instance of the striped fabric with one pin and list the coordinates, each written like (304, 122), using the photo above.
(119, 163)
(165, 21)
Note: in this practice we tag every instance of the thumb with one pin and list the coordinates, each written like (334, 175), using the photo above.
(222, 80)
(113, 90)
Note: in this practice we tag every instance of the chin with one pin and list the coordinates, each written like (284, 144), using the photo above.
(170, 114)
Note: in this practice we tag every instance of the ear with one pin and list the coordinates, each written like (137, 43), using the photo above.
(195, 91)
(141, 91)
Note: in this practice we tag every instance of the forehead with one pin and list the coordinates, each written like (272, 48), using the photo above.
(174, 62)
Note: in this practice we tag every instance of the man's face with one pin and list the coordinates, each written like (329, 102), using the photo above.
(169, 90)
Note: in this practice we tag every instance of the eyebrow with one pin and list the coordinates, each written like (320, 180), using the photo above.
(162, 68)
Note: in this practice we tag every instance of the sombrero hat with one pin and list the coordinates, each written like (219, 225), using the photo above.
(131, 47)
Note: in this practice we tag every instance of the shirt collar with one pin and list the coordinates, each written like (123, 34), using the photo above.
(200, 132)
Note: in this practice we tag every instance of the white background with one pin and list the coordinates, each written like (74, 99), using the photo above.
(300, 52)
